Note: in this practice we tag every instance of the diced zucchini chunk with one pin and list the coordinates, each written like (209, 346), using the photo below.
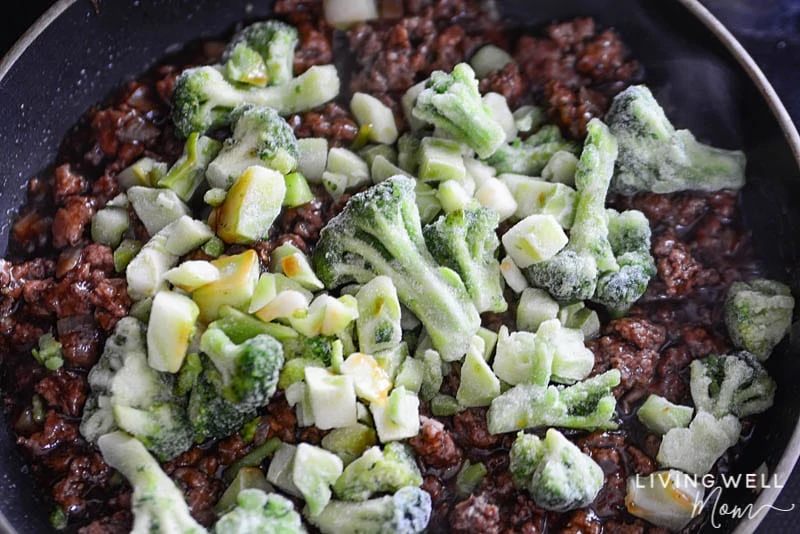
(156, 208)
(660, 415)
(667, 499)
(534, 239)
(493, 193)
(513, 275)
(535, 307)
(169, 330)
(440, 160)
(398, 418)
(378, 322)
(427, 202)
(281, 468)
(109, 225)
(407, 101)
(408, 153)
(515, 357)
(335, 183)
(410, 375)
(350, 164)
(186, 234)
(251, 206)
(312, 158)
(368, 110)
(453, 196)
(579, 317)
(561, 168)
(529, 118)
(489, 338)
(289, 260)
(145, 172)
(370, 380)
(125, 252)
(191, 275)
(348, 443)
(488, 59)
(235, 287)
(383, 169)
(479, 385)
(332, 398)
(298, 191)
(498, 106)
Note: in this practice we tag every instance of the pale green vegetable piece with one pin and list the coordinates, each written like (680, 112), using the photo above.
(368, 110)
(695, 449)
(169, 330)
(535, 307)
(312, 158)
(398, 418)
(660, 415)
(478, 385)
(534, 239)
(667, 499)
(332, 398)
(314, 471)
(379, 315)
(758, 314)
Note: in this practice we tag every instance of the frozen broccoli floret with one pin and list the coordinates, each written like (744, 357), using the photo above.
(554, 471)
(248, 371)
(735, 384)
(274, 41)
(654, 156)
(260, 137)
(379, 233)
(529, 157)
(587, 405)
(629, 235)
(452, 103)
(127, 393)
(377, 471)
(758, 314)
(571, 275)
(203, 99)
(406, 512)
(259, 512)
(466, 242)
(212, 416)
(695, 449)
(158, 505)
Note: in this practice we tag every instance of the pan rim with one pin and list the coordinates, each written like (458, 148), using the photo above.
(789, 458)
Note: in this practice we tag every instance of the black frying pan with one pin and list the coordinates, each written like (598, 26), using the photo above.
(80, 50)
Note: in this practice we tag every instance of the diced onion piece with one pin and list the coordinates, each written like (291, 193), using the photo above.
(342, 14)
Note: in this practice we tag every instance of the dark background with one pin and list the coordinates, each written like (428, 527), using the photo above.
(768, 29)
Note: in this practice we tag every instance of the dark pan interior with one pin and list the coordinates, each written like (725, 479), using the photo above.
(88, 51)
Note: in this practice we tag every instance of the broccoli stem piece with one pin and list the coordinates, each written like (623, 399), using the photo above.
(379, 233)
(188, 173)
(586, 405)
(274, 41)
(407, 511)
(453, 103)
(377, 471)
(466, 242)
(572, 273)
(654, 156)
(203, 99)
(554, 471)
(158, 505)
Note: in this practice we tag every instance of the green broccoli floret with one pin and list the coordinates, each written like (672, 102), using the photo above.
(758, 314)
(188, 173)
(571, 275)
(260, 137)
(529, 157)
(127, 393)
(587, 405)
(406, 512)
(248, 371)
(259, 512)
(377, 471)
(213, 416)
(157, 503)
(275, 42)
(696, 449)
(49, 352)
(453, 104)
(734, 384)
(466, 242)
(379, 233)
(654, 156)
(629, 235)
(203, 99)
(554, 471)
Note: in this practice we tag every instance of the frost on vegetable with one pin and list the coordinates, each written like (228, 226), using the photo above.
(655, 157)
(758, 314)
(554, 471)
(695, 449)
(734, 384)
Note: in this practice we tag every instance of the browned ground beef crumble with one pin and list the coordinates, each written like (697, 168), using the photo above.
(57, 280)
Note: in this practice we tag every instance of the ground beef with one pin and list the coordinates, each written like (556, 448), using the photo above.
(469, 429)
(576, 71)
(434, 445)
(332, 121)
(476, 514)
(679, 271)
(508, 82)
